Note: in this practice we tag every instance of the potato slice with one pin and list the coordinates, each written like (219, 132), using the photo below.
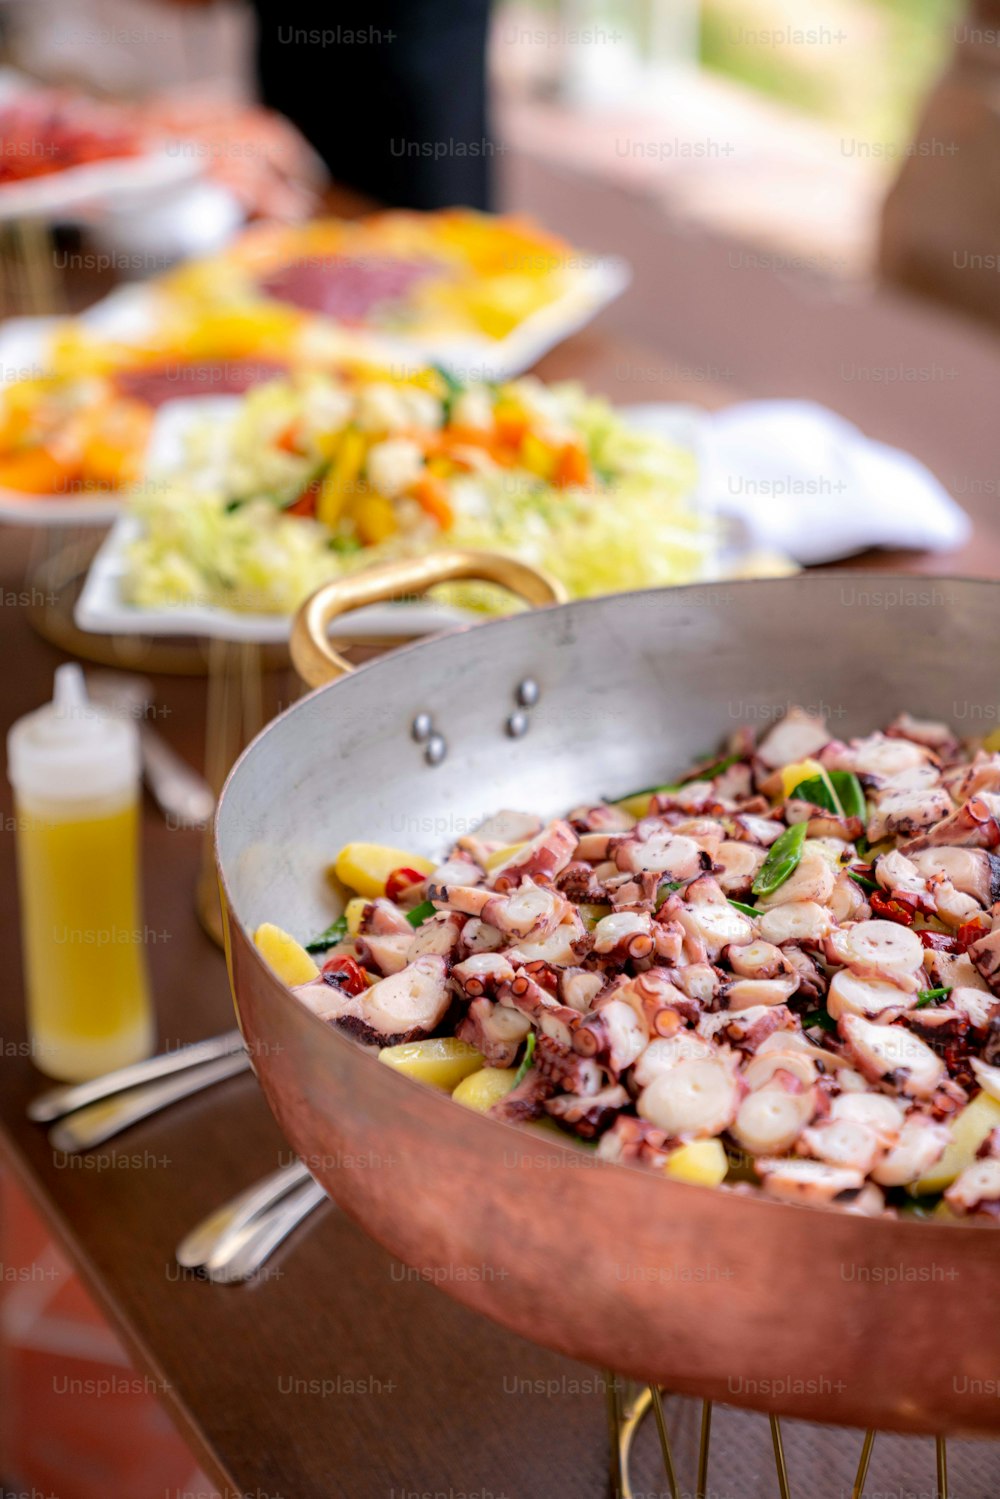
(501, 855)
(968, 1131)
(636, 806)
(365, 867)
(441, 1061)
(482, 1089)
(353, 912)
(287, 957)
(703, 1162)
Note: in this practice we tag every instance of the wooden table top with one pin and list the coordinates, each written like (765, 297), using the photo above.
(334, 1374)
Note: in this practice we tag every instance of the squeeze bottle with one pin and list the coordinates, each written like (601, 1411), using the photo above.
(75, 770)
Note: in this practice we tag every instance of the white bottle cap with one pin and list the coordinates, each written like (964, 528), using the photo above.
(71, 750)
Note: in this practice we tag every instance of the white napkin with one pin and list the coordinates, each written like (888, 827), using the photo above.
(805, 482)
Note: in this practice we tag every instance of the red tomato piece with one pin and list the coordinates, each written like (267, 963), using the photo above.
(401, 879)
(889, 908)
(346, 974)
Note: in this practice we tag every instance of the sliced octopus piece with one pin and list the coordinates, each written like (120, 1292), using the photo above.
(797, 736)
(921, 1143)
(406, 1006)
(842, 1142)
(795, 921)
(976, 1189)
(973, 871)
(543, 858)
(892, 1054)
(811, 880)
(696, 1098)
(807, 1181)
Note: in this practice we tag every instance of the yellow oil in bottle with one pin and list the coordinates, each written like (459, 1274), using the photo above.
(88, 998)
(75, 773)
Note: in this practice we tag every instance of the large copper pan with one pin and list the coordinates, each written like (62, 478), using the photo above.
(817, 1314)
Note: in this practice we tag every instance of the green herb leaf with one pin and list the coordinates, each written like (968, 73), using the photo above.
(815, 791)
(529, 1052)
(665, 889)
(850, 793)
(335, 932)
(782, 858)
(420, 913)
(920, 1207)
(746, 910)
(615, 801)
(837, 791)
(862, 880)
(930, 997)
(708, 774)
(821, 1018)
(454, 388)
(711, 771)
(454, 384)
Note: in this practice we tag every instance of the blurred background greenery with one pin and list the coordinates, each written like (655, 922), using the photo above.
(871, 83)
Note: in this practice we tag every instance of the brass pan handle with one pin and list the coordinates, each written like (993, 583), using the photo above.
(314, 657)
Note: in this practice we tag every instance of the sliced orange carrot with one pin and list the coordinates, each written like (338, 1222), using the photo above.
(286, 439)
(511, 427)
(114, 439)
(37, 471)
(432, 495)
(572, 466)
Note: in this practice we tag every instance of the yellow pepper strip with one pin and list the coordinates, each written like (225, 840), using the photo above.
(343, 477)
(375, 518)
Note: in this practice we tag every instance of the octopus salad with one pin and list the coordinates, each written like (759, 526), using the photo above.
(780, 972)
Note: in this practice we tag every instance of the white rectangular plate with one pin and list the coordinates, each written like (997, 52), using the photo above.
(102, 608)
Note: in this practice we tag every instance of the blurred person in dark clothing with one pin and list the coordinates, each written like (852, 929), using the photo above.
(391, 94)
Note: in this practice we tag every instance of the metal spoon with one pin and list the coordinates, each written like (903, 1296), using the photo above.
(224, 1226)
(55, 1102)
(181, 793)
(243, 1256)
(100, 1121)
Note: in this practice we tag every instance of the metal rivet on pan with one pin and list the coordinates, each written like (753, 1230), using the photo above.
(517, 725)
(527, 692)
(436, 749)
(422, 727)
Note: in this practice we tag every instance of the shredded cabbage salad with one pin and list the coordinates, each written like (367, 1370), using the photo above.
(321, 475)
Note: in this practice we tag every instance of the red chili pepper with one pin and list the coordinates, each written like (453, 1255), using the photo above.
(401, 879)
(306, 502)
(346, 974)
(970, 932)
(938, 941)
(889, 908)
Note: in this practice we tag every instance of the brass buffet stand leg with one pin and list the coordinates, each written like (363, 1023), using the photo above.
(235, 713)
(865, 1459)
(628, 1405)
(665, 1448)
(703, 1446)
(29, 286)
